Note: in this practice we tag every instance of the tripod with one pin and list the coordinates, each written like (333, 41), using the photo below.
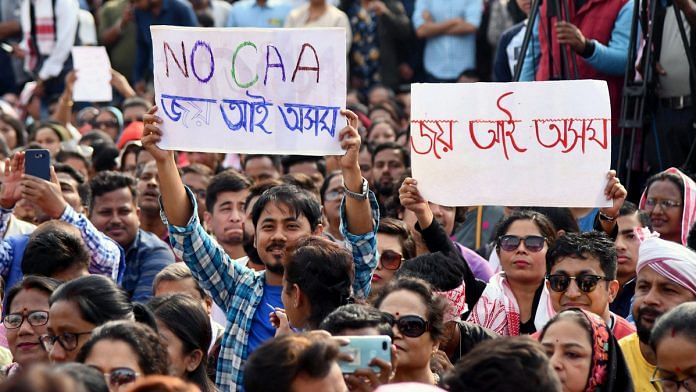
(569, 64)
(635, 114)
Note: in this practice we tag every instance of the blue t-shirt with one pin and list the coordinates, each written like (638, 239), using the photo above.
(261, 327)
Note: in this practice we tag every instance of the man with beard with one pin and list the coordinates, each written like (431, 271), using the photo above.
(148, 201)
(113, 211)
(226, 197)
(666, 278)
(282, 216)
(389, 163)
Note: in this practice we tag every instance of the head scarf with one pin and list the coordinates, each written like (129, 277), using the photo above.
(669, 259)
(608, 371)
(119, 117)
(688, 205)
(457, 301)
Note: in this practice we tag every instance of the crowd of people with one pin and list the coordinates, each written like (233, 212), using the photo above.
(141, 269)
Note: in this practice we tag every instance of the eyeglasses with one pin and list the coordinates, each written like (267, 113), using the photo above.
(670, 385)
(533, 243)
(391, 260)
(67, 340)
(587, 283)
(120, 376)
(105, 124)
(411, 326)
(35, 319)
(666, 204)
(333, 195)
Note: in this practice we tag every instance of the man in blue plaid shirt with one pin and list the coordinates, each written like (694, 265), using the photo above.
(281, 217)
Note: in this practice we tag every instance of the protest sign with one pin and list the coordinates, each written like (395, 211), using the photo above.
(93, 69)
(250, 90)
(512, 144)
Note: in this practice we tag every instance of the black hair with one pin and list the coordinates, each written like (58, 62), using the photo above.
(327, 181)
(129, 148)
(185, 318)
(397, 228)
(69, 170)
(561, 218)
(104, 156)
(55, 246)
(545, 226)
(516, 364)
(629, 208)
(41, 283)
(324, 272)
(95, 136)
(298, 201)
(135, 101)
(109, 181)
(356, 316)
(226, 181)
(292, 160)
(583, 246)
(174, 273)
(680, 320)
(64, 155)
(405, 157)
(442, 272)
(674, 178)
(91, 378)
(144, 341)
(275, 160)
(435, 304)
(97, 297)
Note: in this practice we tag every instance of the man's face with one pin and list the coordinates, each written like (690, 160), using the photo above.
(198, 184)
(387, 169)
(148, 188)
(365, 161)
(183, 286)
(310, 169)
(134, 113)
(445, 216)
(205, 158)
(277, 233)
(68, 187)
(260, 169)
(332, 200)
(115, 214)
(596, 301)
(226, 219)
(655, 295)
(627, 245)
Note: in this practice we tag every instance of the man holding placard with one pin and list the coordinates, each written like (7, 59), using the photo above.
(282, 216)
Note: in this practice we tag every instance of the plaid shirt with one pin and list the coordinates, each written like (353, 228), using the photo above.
(238, 290)
(106, 257)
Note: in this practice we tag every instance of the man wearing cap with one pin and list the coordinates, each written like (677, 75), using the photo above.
(666, 278)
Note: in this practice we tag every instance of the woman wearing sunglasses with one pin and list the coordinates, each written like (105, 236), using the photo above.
(394, 244)
(584, 353)
(110, 121)
(124, 351)
(417, 318)
(26, 319)
(516, 300)
(670, 201)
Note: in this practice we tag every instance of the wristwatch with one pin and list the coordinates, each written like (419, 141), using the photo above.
(364, 189)
(606, 218)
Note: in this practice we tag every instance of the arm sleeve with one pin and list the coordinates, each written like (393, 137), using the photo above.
(612, 58)
(214, 270)
(105, 254)
(531, 58)
(473, 12)
(364, 249)
(417, 18)
(66, 19)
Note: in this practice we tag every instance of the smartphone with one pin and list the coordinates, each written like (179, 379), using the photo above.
(38, 163)
(363, 349)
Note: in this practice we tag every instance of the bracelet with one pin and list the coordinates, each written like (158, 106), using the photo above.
(69, 103)
(606, 218)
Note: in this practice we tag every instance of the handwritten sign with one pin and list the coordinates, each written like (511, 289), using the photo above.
(274, 91)
(93, 68)
(512, 144)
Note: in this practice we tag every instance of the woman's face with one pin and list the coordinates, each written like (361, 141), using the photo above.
(180, 362)
(48, 139)
(522, 265)
(570, 353)
(9, 133)
(381, 133)
(411, 353)
(675, 360)
(24, 342)
(297, 315)
(666, 220)
(107, 122)
(108, 356)
(65, 322)
(385, 243)
(332, 200)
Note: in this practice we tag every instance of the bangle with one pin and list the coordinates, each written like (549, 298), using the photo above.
(69, 103)
(606, 218)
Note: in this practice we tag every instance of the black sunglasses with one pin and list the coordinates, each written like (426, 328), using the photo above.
(587, 283)
(510, 243)
(411, 326)
(120, 376)
(391, 260)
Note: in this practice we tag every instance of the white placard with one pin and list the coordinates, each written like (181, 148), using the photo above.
(93, 69)
(273, 91)
(512, 144)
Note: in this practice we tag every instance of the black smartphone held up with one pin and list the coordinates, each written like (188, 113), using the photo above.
(37, 163)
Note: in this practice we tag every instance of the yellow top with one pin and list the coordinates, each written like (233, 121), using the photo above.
(641, 371)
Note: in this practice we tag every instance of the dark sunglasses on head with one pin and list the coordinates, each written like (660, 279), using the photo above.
(586, 283)
(120, 376)
(391, 260)
(411, 326)
(533, 243)
(35, 319)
